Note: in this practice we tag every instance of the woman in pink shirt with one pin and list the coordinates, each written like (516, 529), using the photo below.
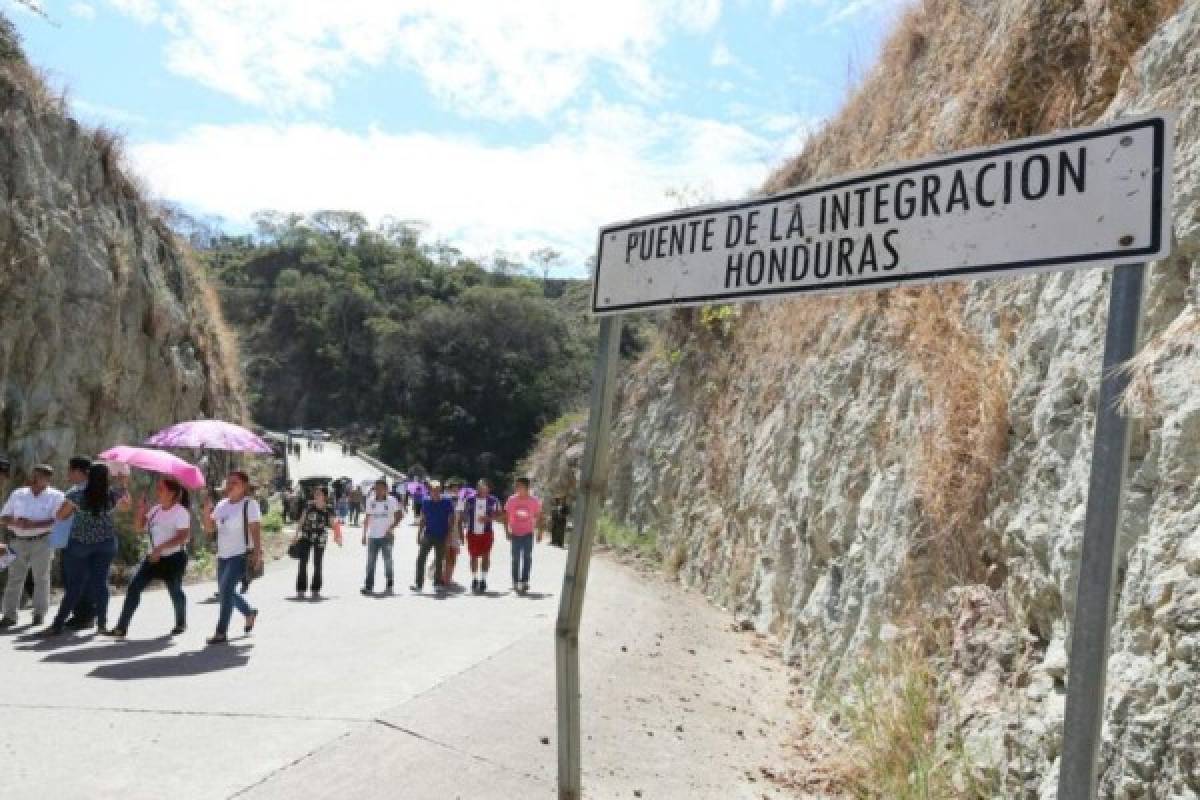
(523, 514)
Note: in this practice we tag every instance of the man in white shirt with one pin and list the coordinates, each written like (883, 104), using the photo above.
(382, 514)
(29, 516)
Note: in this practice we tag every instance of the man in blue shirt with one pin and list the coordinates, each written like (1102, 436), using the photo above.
(436, 515)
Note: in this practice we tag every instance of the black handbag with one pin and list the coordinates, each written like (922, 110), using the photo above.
(296, 550)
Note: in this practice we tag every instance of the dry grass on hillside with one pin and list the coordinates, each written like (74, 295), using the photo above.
(217, 341)
(956, 74)
(964, 435)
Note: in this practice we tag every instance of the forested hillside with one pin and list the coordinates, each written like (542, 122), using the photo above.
(440, 362)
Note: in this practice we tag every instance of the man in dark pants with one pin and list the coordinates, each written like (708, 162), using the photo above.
(436, 515)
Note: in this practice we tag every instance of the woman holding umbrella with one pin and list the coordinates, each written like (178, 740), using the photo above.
(236, 522)
(170, 526)
(312, 533)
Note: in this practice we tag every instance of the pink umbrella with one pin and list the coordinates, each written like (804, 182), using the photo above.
(210, 434)
(157, 461)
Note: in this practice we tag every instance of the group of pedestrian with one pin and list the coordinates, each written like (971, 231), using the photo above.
(447, 519)
(81, 522)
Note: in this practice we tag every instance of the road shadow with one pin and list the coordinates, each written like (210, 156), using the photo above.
(40, 642)
(533, 595)
(110, 652)
(195, 662)
(433, 594)
(18, 631)
(489, 593)
(309, 599)
(380, 595)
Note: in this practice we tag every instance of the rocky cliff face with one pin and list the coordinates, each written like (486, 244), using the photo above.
(107, 329)
(847, 473)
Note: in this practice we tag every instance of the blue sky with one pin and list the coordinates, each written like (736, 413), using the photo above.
(505, 125)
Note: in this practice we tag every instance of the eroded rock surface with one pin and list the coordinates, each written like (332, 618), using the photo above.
(108, 332)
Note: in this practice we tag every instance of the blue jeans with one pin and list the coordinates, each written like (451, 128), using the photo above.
(374, 547)
(85, 568)
(522, 558)
(171, 570)
(230, 572)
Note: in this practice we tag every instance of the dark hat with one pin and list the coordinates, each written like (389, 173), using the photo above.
(81, 463)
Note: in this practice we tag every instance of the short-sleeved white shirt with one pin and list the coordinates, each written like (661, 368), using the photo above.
(165, 524)
(380, 514)
(231, 533)
(24, 503)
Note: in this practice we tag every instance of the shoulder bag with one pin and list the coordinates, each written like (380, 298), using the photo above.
(253, 572)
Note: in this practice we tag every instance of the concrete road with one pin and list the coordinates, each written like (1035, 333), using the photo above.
(407, 696)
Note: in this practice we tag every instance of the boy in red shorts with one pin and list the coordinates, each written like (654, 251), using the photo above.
(478, 514)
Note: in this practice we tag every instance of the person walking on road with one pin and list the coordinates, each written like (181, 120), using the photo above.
(437, 517)
(92, 546)
(237, 523)
(341, 502)
(479, 512)
(29, 515)
(312, 534)
(455, 538)
(559, 516)
(524, 514)
(83, 616)
(356, 504)
(169, 523)
(383, 514)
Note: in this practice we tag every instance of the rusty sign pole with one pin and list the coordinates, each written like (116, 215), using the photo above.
(592, 489)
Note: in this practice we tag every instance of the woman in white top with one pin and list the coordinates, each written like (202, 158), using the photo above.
(169, 524)
(237, 524)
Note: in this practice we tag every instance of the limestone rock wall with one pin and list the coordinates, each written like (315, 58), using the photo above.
(836, 471)
(107, 331)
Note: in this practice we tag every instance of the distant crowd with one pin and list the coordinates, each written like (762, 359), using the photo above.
(79, 523)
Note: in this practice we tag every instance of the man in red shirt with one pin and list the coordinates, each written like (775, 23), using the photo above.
(524, 515)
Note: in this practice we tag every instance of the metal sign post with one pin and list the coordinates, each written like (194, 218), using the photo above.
(1098, 562)
(1086, 198)
(592, 490)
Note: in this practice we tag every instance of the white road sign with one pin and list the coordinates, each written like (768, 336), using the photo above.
(1083, 198)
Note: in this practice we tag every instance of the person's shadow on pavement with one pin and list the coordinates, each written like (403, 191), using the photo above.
(112, 651)
(196, 662)
(38, 642)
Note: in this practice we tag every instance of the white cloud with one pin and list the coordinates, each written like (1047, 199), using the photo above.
(842, 11)
(486, 58)
(608, 163)
(144, 11)
(83, 11)
(102, 114)
(721, 56)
